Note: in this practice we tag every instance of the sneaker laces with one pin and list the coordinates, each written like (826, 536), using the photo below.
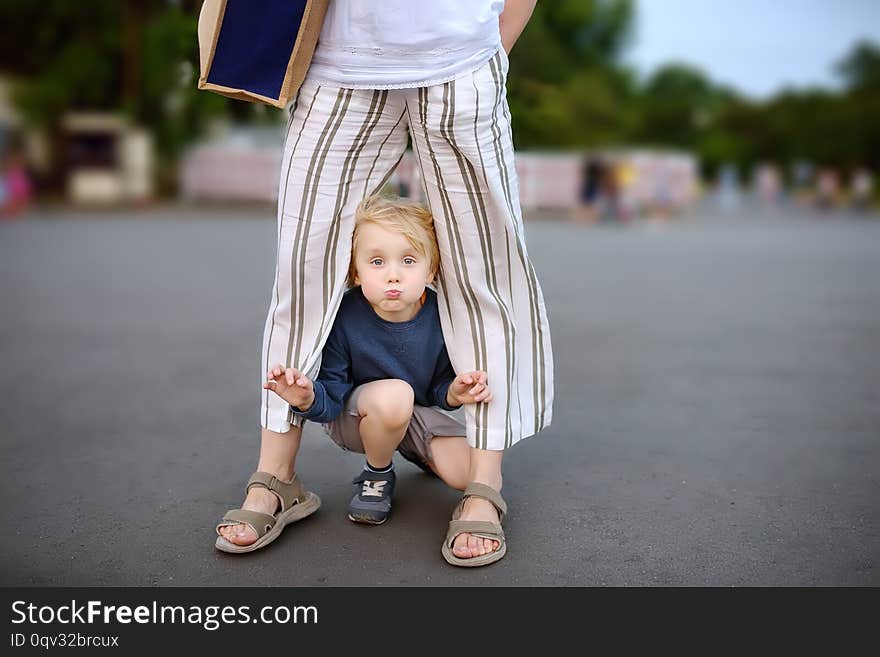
(372, 486)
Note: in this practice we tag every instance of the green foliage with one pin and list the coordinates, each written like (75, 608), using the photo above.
(66, 53)
(861, 68)
(586, 110)
(676, 105)
(566, 90)
(169, 97)
(136, 58)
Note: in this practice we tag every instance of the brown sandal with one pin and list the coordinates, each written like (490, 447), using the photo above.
(480, 528)
(296, 504)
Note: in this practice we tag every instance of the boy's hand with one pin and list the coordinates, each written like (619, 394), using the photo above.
(291, 385)
(469, 388)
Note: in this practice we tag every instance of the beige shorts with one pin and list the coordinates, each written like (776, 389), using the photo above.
(426, 422)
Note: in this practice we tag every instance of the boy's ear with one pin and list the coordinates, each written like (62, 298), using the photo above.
(430, 278)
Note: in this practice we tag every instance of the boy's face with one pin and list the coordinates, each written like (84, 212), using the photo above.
(391, 273)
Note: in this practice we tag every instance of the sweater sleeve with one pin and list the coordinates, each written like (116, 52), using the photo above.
(333, 382)
(440, 382)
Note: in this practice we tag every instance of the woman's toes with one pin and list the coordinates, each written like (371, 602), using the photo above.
(244, 536)
(468, 547)
(238, 534)
(461, 548)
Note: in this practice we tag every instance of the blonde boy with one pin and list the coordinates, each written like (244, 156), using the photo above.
(385, 369)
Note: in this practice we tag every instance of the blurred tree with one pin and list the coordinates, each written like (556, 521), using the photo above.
(677, 105)
(66, 53)
(860, 69)
(138, 58)
(566, 90)
(824, 127)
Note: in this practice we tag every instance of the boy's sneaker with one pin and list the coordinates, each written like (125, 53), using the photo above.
(371, 503)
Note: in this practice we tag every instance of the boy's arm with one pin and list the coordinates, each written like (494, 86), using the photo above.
(333, 382)
(443, 377)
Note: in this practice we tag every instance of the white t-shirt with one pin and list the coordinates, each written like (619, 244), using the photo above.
(393, 44)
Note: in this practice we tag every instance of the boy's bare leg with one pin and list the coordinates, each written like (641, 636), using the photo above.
(458, 464)
(278, 457)
(385, 408)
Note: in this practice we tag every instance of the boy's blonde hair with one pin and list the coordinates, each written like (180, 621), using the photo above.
(397, 215)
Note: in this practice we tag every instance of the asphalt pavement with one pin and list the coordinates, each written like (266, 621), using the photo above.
(717, 413)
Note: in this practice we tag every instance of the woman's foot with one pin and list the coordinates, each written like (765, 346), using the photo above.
(258, 499)
(467, 546)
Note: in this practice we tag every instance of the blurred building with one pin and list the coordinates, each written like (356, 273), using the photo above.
(242, 164)
(238, 164)
(106, 160)
(99, 159)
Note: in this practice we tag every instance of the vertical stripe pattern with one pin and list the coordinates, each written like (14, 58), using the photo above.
(464, 145)
(339, 142)
(342, 144)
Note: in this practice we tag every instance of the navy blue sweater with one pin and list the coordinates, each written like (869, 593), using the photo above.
(363, 347)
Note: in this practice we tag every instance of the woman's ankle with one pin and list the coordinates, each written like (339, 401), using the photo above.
(284, 473)
(490, 481)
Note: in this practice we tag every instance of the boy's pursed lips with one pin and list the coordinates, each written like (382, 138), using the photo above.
(392, 294)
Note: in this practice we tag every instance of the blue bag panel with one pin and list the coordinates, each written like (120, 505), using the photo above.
(255, 43)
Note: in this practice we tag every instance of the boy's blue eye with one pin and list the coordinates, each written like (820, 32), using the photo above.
(376, 261)
(409, 261)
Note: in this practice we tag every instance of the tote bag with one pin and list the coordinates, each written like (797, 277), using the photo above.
(258, 50)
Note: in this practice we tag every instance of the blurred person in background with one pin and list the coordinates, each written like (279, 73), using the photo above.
(4, 188)
(16, 188)
(727, 190)
(626, 176)
(661, 200)
(609, 194)
(802, 184)
(768, 184)
(827, 189)
(589, 207)
(861, 190)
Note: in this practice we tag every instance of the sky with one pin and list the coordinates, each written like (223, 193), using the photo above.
(755, 46)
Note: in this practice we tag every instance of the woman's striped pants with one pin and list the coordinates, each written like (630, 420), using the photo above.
(342, 145)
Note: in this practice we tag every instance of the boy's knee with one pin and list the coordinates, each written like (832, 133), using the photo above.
(390, 401)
